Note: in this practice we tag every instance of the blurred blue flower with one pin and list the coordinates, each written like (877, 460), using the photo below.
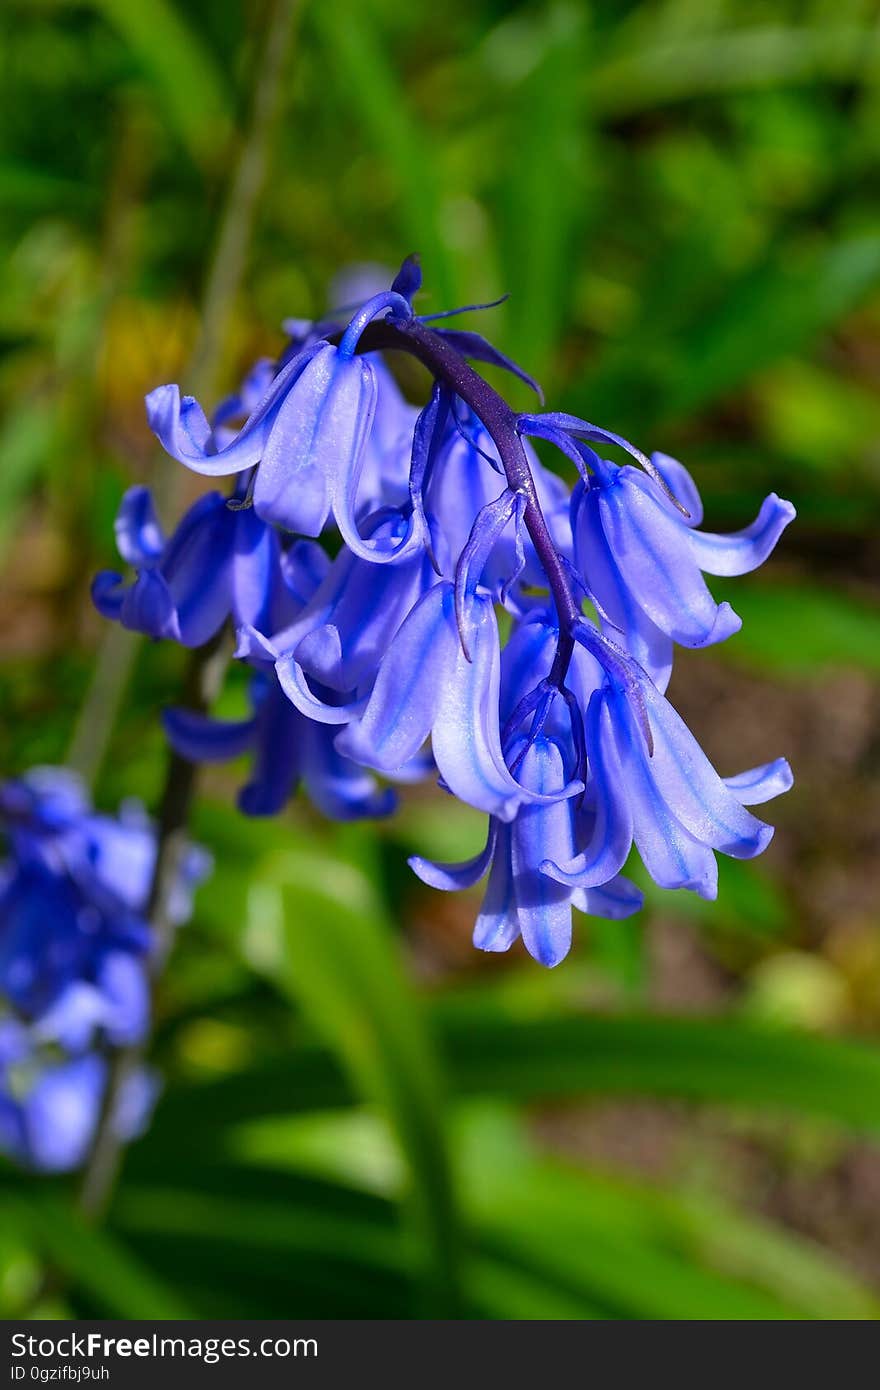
(74, 964)
(74, 939)
(50, 1105)
(287, 749)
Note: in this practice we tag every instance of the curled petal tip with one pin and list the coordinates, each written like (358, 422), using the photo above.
(108, 593)
(727, 622)
(454, 877)
(560, 873)
(251, 645)
(761, 784)
(161, 399)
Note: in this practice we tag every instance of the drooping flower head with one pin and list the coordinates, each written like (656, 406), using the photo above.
(452, 613)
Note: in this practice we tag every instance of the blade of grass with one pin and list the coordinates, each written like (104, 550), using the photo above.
(733, 59)
(544, 198)
(371, 88)
(96, 1262)
(642, 1251)
(722, 1061)
(340, 963)
(487, 1052)
(773, 310)
(194, 90)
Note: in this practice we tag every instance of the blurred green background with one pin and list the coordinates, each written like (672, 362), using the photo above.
(363, 1117)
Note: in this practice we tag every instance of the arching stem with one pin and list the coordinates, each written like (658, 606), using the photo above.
(446, 364)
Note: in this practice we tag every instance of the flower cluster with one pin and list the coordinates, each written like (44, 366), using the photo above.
(452, 534)
(74, 963)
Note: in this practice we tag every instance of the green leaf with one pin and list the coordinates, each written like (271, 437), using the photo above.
(35, 187)
(250, 1237)
(25, 448)
(489, 1052)
(188, 79)
(798, 1270)
(720, 1061)
(309, 1079)
(510, 1288)
(801, 630)
(350, 1146)
(771, 311)
(735, 327)
(544, 200)
(96, 1262)
(636, 1251)
(370, 85)
(340, 962)
(295, 1230)
(636, 1279)
(679, 67)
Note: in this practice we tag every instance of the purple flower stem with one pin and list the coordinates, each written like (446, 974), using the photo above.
(447, 365)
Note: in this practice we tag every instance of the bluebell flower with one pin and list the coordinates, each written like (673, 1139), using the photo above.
(287, 749)
(46, 818)
(341, 634)
(384, 477)
(222, 563)
(74, 960)
(525, 662)
(440, 677)
(231, 413)
(74, 941)
(47, 1121)
(561, 734)
(307, 438)
(50, 1105)
(463, 476)
(664, 796)
(522, 898)
(642, 558)
(426, 685)
(62, 961)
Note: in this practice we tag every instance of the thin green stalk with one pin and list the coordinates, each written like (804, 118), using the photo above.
(118, 651)
(204, 679)
(117, 655)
